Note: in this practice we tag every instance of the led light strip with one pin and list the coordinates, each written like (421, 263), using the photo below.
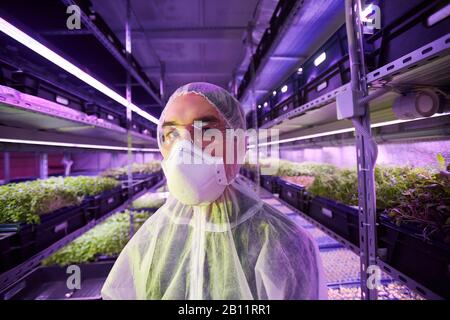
(329, 133)
(52, 56)
(76, 145)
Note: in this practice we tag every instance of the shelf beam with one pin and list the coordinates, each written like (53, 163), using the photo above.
(113, 49)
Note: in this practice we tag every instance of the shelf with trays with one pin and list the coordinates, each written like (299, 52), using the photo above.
(385, 267)
(30, 116)
(10, 277)
(425, 67)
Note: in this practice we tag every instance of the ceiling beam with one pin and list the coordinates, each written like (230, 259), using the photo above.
(212, 68)
(65, 32)
(205, 33)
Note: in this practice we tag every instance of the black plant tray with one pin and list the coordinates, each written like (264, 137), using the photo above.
(50, 283)
(294, 194)
(152, 210)
(136, 186)
(8, 252)
(25, 240)
(270, 183)
(118, 118)
(135, 176)
(425, 261)
(339, 218)
(405, 27)
(105, 202)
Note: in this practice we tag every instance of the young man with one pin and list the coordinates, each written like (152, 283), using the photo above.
(213, 238)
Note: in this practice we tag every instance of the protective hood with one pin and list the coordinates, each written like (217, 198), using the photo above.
(235, 247)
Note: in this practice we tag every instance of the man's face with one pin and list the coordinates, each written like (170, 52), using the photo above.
(180, 117)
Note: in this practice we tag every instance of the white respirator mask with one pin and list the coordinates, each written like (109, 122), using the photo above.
(193, 176)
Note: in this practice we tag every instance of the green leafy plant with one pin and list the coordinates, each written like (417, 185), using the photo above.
(137, 168)
(27, 201)
(417, 196)
(149, 200)
(90, 186)
(340, 185)
(106, 239)
(427, 206)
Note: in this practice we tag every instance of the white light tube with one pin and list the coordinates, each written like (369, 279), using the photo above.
(329, 133)
(52, 56)
(76, 145)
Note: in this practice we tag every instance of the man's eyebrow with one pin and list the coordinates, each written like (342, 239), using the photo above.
(207, 119)
(202, 119)
(170, 123)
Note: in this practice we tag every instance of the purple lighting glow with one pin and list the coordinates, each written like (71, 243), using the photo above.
(52, 56)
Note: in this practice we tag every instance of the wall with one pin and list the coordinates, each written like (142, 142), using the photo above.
(97, 162)
(405, 153)
(25, 165)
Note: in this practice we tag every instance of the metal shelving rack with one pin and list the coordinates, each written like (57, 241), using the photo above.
(10, 277)
(426, 65)
(60, 123)
(55, 127)
(392, 272)
(418, 68)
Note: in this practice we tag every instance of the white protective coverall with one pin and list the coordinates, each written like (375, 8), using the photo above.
(236, 247)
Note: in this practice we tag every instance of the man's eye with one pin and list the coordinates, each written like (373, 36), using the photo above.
(170, 135)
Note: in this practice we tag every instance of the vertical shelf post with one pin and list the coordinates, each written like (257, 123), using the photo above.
(366, 151)
(43, 165)
(253, 102)
(6, 167)
(129, 113)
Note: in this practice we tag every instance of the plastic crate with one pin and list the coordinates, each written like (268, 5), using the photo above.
(136, 187)
(285, 92)
(25, 83)
(150, 181)
(105, 202)
(427, 262)
(334, 77)
(285, 106)
(50, 283)
(339, 218)
(332, 51)
(405, 27)
(29, 84)
(294, 194)
(151, 210)
(100, 112)
(7, 251)
(25, 240)
(61, 223)
(270, 183)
